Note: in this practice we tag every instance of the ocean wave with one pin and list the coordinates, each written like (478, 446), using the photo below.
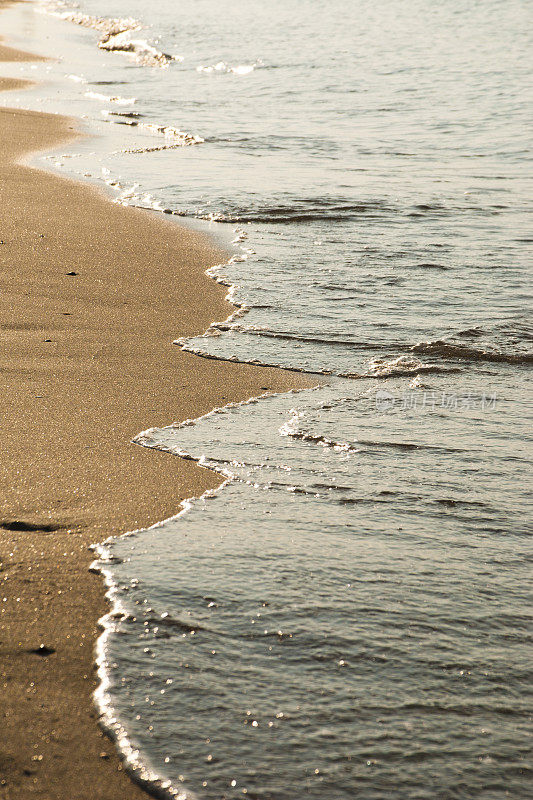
(407, 363)
(116, 35)
(125, 114)
(298, 210)
(306, 210)
(254, 330)
(174, 136)
(397, 366)
(186, 345)
(294, 210)
(463, 352)
(291, 428)
(142, 52)
(402, 366)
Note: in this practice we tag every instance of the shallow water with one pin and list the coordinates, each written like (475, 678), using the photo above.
(348, 616)
(345, 618)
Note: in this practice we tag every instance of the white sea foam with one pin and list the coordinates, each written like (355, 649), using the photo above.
(222, 67)
(116, 99)
(116, 35)
(401, 366)
(174, 137)
(291, 428)
(134, 761)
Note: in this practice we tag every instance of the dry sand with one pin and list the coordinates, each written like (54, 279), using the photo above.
(87, 362)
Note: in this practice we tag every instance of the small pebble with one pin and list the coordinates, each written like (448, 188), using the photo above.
(42, 650)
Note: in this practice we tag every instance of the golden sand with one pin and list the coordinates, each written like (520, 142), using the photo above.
(87, 362)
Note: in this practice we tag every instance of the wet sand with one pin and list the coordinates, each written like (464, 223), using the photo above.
(87, 362)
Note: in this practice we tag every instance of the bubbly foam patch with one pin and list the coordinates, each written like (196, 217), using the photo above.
(222, 67)
(116, 35)
(119, 101)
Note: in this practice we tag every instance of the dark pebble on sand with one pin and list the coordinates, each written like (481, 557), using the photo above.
(42, 650)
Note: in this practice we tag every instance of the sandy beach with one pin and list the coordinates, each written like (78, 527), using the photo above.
(92, 295)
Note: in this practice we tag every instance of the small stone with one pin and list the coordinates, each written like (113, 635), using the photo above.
(42, 650)
(72, 273)
(104, 755)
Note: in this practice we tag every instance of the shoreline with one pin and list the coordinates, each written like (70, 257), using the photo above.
(88, 362)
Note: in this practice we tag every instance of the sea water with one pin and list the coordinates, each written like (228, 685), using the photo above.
(347, 617)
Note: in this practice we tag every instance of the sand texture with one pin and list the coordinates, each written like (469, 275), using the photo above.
(86, 362)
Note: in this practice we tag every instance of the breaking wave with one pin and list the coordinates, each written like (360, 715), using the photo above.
(455, 351)
(174, 137)
(116, 35)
